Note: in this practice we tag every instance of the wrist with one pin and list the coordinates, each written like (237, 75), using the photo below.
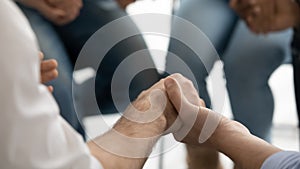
(227, 131)
(142, 120)
(141, 130)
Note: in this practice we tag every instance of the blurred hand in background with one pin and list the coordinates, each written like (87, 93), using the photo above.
(264, 16)
(60, 12)
(124, 3)
(48, 69)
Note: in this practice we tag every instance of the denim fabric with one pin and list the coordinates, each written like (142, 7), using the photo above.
(52, 47)
(249, 60)
(65, 42)
(93, 16)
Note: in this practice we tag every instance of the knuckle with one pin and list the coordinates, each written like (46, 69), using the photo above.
(189, 83)
(177, 75)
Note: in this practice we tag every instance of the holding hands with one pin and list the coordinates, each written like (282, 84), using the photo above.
(173, 106)
(264, 16)
(178, 109)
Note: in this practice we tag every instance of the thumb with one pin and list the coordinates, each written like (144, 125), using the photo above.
(174, 92)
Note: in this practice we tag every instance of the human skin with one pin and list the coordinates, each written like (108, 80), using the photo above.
(230, 137)
(253, 10)
(134, 130)
(124, 3)
(48, 69)
(62, 12)
(268, 17)
(59, 12)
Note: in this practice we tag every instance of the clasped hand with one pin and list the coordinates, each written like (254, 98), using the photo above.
(184, 113)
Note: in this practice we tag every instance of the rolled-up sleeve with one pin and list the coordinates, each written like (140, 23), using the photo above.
(283, 160)
(33, 134)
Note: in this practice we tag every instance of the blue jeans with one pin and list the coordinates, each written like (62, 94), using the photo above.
(94, 15)
(64, 43)
(52, 47)
(249, 60)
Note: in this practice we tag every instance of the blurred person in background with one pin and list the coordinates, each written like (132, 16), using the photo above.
(63, 26)
(249, 61)
(35, 136)
(271, 16)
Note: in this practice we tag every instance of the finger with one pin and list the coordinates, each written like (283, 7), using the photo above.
(51, 11)
(202, 103)
(242, 5)
(174, 92)
(247, 13)
(54, 2)
(41, 55)
(72, 14)
(124, 3)
(245, 9)
(188, 89)
(53, 14)
(268, 14)
(280, 24)
(47, 65)
(50, 88)
(78, 3)
(248, 3)
(47, 77)
(256, 26)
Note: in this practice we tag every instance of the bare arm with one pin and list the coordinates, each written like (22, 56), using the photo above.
(229, 137)
(246, 150)
(128, 144)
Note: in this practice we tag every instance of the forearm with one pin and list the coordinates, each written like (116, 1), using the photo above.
(127, 145)
(246, 150)
(112, 161)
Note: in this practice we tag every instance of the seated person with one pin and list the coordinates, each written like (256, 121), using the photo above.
(265, 17)
(34, 135)
(62, 28)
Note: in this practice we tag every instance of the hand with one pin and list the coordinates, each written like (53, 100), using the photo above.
(59, 12)
(287, 15)
(191, 110)
(227, 136)
(263, 19)
(48, 70)
(258, 14)
(132, 138)
(152, 110)
(124, 3)
(70, 7)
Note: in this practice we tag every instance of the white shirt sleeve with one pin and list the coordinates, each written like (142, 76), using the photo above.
(33, 134)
